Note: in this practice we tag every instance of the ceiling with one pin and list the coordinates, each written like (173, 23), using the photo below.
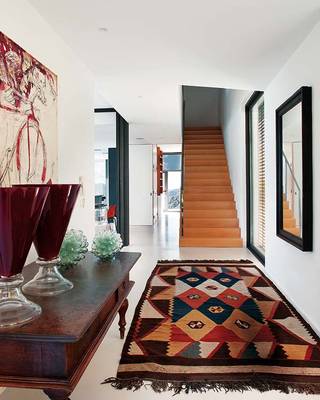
(148, 49)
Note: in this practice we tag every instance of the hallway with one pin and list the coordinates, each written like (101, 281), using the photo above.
(158, 242)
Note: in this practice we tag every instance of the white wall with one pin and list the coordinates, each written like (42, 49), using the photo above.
(202, 106)
(141, 184)
(21, 23)
(233, 125)
(295, 272)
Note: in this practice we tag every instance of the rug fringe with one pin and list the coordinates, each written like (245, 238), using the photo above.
(242, 261)
(160, 386)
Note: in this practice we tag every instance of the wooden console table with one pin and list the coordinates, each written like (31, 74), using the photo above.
(52, 352)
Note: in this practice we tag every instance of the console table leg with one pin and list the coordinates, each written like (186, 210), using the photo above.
(56, 394)
(122, 315)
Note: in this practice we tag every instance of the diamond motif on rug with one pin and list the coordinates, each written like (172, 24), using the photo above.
(193, 279)
(195, 324)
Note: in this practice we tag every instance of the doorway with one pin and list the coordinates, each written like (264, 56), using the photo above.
(172, 181)
(112, 169)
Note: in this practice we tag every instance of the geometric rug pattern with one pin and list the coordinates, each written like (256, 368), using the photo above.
(211, 322)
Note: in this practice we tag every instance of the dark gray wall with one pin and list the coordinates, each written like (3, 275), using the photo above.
(202, 106)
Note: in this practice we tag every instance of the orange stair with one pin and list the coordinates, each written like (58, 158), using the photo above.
(209, 209)
(289, 221)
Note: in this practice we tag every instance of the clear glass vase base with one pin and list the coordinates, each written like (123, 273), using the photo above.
(14, 313)
(47, 282)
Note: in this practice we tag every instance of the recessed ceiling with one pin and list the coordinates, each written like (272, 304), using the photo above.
(151, 48)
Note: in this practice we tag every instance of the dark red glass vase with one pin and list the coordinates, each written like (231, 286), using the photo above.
(20, 212)
(48, 239)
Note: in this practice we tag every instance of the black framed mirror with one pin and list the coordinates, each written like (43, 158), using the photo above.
(294, 169)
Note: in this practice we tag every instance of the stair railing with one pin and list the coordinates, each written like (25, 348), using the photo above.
(292, 188)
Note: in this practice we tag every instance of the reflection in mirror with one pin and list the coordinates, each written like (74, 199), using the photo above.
(292, 170)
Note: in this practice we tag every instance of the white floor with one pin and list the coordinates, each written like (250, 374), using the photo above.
(156, 243)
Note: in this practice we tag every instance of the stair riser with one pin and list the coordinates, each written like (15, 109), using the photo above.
(215, 242)
(211, 223)
(209, 133)
(208, 197)
(195, 152)
(208, 189)
(208, 205)
(209, 174)
(198, 146)
(212, 233)
(205, 150)
(204, 156)
(204, 134)
(198, 169)
(207, 182)
(227, 213)
(213, 145)
(200, 141)
(205, 163)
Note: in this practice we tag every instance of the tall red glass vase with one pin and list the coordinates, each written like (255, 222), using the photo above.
(48, 239)
(20, 211)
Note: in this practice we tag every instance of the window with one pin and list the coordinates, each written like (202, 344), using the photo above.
(255, 155)
(172, 180)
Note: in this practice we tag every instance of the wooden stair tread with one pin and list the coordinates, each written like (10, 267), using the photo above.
(210, 242)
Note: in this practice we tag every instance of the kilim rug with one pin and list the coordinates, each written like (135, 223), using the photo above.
(217, 325)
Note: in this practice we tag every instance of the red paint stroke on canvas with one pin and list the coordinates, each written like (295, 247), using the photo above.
(22, 81)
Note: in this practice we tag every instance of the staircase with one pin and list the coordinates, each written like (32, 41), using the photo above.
(209, 216)
(289, 221)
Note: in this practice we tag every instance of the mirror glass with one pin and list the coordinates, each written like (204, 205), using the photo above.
(292, 170)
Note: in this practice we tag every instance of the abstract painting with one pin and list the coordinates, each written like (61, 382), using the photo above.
(28, 117)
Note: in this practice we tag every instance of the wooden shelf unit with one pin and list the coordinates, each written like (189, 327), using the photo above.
(159, 171)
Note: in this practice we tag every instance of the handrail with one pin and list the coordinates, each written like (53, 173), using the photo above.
(288, 168)
(291, 172)
(182, 167)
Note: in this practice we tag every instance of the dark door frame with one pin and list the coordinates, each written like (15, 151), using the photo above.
(249, 105)
(122, 173)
